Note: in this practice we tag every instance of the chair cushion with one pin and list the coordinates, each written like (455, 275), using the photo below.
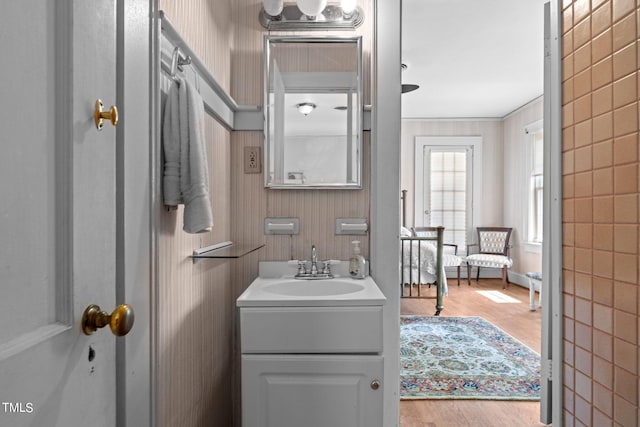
(493, 241)
(489, 260)
(451, 260)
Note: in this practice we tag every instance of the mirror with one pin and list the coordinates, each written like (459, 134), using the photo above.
(313, 112)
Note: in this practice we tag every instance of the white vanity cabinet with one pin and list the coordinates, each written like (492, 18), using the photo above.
(311, 390)
(311, 361)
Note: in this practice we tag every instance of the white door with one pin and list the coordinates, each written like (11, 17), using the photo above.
(447, 181)
(447, 191)
(57, 228)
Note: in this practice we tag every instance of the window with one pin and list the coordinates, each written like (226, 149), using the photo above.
(534, 149)
(448, 185)
(448, 178)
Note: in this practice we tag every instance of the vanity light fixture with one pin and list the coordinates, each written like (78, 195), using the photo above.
(348, 6)
(273, 7)
(306, 108)
(275, 15)
(311, 8)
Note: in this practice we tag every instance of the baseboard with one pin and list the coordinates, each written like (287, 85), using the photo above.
(489, 273)
(519, 279)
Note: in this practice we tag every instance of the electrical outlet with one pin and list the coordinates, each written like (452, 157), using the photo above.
(252, 160)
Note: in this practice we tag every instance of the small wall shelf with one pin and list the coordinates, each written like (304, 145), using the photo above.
(224, 250)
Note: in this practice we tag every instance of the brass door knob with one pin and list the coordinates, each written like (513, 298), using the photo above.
(99, 115)
(120, 321)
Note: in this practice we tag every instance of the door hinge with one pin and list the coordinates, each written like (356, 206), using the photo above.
(546, 370)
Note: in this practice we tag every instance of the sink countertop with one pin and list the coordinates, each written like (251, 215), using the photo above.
(277, 269)
(281, 292)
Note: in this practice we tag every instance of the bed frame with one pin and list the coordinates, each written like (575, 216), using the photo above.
(407, 284)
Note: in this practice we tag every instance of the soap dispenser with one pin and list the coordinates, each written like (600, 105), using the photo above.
(356, 261)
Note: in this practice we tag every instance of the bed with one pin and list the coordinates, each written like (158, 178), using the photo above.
(423, 260)
(421, 263)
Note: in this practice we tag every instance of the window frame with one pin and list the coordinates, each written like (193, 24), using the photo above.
(528, 132)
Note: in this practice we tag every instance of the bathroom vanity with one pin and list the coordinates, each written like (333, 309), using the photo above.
(311, 350)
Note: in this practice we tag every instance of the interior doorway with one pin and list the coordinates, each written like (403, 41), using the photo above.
(552, 212)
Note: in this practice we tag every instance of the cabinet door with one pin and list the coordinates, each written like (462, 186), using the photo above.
(312, 391)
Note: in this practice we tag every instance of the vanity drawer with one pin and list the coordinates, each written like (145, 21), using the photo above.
(311, 329)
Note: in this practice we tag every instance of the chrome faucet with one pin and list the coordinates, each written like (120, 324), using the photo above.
(314, 272)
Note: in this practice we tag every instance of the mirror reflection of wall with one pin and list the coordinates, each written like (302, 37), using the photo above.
(313, 157)
(314, 112)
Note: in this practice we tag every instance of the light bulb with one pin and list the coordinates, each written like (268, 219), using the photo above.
(311, 7)
(273, 7)
(348, 6)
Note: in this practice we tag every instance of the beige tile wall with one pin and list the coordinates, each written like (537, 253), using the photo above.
(600, 212)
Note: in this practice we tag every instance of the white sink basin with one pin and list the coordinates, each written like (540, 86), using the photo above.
(286, 291)
(314, 288)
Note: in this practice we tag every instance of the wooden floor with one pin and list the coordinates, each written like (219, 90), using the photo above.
(513, 318)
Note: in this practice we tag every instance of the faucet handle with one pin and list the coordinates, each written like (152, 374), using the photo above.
(302, 265)
(326, 269)
(327, 265)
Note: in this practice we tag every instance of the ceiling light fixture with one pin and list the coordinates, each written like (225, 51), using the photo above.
(304, 15)
(306, 107)
(407, 87)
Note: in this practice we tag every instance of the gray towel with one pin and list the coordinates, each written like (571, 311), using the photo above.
(186, 174)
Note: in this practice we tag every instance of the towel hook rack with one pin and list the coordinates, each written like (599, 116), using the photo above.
(178, 60)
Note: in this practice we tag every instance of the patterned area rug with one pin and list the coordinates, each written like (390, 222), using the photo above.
(464, 358)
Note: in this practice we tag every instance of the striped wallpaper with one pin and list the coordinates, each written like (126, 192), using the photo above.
(198, 358)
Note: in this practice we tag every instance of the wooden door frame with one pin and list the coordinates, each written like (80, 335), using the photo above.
(551, 401)
(385, 188)
(135, 375)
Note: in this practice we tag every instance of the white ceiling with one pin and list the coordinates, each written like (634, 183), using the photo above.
(471, 58)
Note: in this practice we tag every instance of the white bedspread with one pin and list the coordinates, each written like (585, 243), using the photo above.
(420, 259)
